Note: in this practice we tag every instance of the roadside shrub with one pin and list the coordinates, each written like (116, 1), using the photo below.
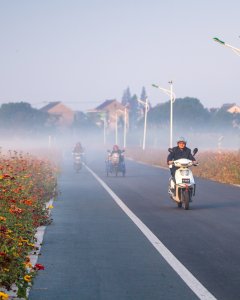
(222, 167)
(26, 185)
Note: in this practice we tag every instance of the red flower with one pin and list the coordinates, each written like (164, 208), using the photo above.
(39, 267)
(3, 229)
(6, 176)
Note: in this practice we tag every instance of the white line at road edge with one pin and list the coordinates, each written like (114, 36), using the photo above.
(178, 267)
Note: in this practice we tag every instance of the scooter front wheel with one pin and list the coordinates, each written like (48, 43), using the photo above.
(185, 199)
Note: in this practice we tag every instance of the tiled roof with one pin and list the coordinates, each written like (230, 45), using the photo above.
(50, 105)
(104, 104)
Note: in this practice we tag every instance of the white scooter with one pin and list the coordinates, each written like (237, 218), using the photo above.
(77, 163)
(182, 189)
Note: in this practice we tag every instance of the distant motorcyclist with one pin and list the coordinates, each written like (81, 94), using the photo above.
(78, 149)
(180, 151)
(117, 150)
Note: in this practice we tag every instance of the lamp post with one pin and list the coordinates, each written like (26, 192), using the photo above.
(172, 99)
(116, 128)
(104, 131)
(103, 118)
(102, 115)
(234, 49)
(146, 109)
(125, 126)
(49, 141)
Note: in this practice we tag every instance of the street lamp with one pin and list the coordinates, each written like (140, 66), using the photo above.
(146, 109)
(172, 99)
(116, 128)
(125, 126)
(104, 130)
(102, 115)
(234, 49)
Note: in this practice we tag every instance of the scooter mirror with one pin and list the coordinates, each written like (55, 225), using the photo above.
(195, 150)
(170, 150)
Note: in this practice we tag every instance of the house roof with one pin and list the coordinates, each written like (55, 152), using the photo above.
(104, 104)
(47, 107)
(234, 109)
(228, 105)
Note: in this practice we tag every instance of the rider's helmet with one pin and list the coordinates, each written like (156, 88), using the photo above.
(181, 139)
(115, 148)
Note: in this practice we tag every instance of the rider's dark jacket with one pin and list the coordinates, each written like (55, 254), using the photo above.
(178, 153)
(78, 150)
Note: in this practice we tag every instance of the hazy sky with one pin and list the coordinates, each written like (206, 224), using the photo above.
(82, 52)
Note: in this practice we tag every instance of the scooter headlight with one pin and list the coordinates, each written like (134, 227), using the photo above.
(184, 172)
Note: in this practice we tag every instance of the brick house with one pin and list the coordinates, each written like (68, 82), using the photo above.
(59, 113)
(112, 110)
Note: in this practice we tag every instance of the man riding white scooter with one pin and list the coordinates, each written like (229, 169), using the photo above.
(181, 151)
(78, 155)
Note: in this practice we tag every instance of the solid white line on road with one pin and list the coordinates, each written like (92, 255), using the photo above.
(178, 267)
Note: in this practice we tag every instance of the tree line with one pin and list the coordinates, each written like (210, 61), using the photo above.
(188, 113)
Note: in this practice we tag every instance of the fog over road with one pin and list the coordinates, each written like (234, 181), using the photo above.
(94, 251)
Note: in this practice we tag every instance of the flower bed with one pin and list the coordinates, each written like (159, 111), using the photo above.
(26, 185)
(222, 167)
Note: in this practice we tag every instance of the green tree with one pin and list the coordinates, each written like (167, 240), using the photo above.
(134, 111)
(143, 94)
(89, 121)
(126, 98)
(187, 113)
(21, 117)
(222, 120)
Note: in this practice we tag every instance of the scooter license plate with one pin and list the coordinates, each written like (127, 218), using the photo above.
(185, 180)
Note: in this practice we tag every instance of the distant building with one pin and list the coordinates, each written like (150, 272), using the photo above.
(60, 114)
(112, 110)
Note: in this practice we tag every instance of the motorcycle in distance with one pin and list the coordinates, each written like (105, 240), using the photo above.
(77, 163)
(182, 189)
(115, 163)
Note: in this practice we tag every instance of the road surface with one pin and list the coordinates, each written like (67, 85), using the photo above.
(93, 250)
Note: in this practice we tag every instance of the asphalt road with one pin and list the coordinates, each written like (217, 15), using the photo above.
(94, 251)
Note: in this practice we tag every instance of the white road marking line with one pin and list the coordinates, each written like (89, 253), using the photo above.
(178, 267)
